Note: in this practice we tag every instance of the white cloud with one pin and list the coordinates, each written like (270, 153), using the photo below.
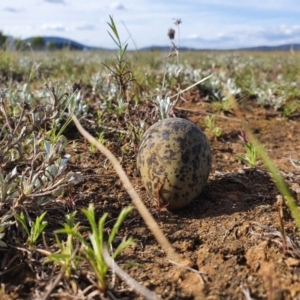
(270, 5)
(280, 33)
(248, 38)
(54, 27)
(117, 6)
(85, 26)
(56, 1)
(11, 9)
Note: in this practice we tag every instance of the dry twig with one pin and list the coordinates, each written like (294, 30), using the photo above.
(147, 294)
(51, 286)
(198, 273)
(292, 247)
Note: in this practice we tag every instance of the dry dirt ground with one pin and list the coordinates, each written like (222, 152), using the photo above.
(230, 233)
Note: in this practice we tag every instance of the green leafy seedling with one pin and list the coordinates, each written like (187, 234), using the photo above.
(92, 251)
(33, 230)
(289, 109)
(210, 123)
(66, 257)
(251, 157)
(224, 106)
(101, 139)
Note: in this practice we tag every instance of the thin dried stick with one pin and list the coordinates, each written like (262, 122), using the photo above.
(191, 86)
(279, 205)
(147, 294)
(246, 293)
(294, 248)
(51, 286)
(198, 273)
(140, 206)
(292, 161)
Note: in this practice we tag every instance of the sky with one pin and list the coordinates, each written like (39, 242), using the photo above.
(218, 24)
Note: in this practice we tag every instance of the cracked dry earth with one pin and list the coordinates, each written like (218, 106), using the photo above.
(230, 233)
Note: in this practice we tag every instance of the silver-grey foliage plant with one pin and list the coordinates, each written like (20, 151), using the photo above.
(33, 163)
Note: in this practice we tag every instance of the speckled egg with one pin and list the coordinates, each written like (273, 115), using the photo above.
(174, 161)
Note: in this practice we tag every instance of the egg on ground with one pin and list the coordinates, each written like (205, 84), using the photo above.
(174, 161)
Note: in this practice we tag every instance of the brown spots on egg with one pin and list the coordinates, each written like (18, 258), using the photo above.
(174, 160)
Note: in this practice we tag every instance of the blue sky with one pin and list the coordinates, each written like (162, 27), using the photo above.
(220, 24)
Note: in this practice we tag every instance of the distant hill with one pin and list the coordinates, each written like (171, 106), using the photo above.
(63, 42)
(287, 47)
(167, 48)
